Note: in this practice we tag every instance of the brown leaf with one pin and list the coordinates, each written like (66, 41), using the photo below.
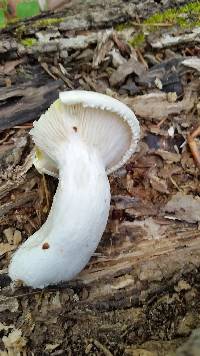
(5, 247)
(184, 207)
(10, 65)
(169, 156)
(122, 46)
(157, 105)
(192, 62)
(159, 184)
(131, 66)
(104, 45)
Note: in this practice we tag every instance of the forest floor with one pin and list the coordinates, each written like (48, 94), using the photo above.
(139, 295)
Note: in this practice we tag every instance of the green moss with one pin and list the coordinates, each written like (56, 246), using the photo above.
(187, 16)
(184, 16)
(122, 26)
(29, 41)
(19, 31)
(137, 40)
(48, 22)
(12, 21)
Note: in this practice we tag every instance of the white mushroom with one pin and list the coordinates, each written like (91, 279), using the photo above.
(83, 135)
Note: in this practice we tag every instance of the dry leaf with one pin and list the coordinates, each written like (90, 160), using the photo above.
(104, 45)
(184, 207)
(10, 304)
(5, 327)
(131, 66)
(192, 62)
(168, 156)
(160, 185)
(14, 342)
(157, 106)
(5, 247)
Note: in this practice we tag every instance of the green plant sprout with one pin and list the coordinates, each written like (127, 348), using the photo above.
(27, 9)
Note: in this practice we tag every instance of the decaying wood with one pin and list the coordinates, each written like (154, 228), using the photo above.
(27, 101)
(168, 40)
(139, 294)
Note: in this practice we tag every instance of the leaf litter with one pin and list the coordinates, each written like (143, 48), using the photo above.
(160, 183)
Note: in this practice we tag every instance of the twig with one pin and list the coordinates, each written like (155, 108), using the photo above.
(193, 145)
(25, 126)
(141, 57)
(162, 24)
(175, 184)
(45, 67)
(46, 191)
(161, 122)
(103, 348)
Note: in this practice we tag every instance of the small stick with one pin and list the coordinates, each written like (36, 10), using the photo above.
(103, 348)
(193, 145)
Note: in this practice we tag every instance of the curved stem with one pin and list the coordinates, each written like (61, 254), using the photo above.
(78, 216)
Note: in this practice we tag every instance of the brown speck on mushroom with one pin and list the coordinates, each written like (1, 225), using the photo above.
(75, 128)
(45, 246)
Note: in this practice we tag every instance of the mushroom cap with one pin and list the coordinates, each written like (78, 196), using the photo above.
(44, 164)
(102, 121)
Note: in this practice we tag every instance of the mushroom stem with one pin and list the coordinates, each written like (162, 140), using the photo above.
(61, 248)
